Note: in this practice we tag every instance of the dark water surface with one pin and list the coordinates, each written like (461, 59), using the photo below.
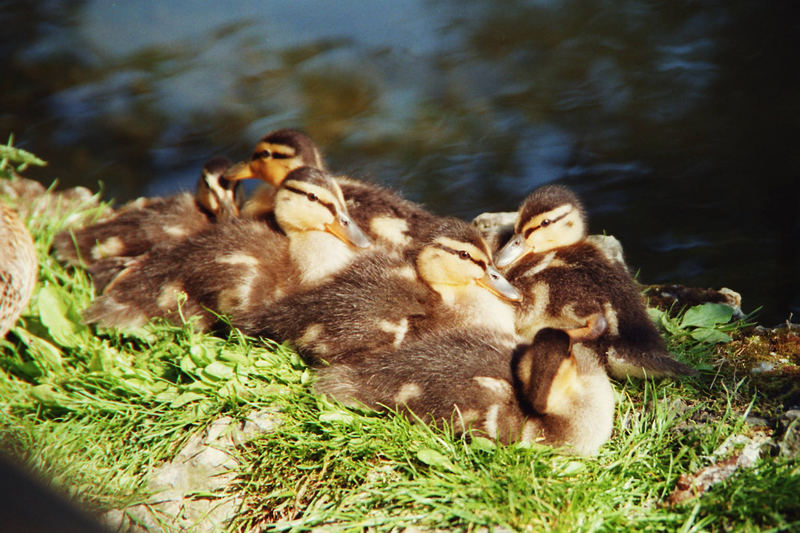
(677, 122)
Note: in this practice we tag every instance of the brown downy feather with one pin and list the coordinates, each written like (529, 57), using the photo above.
(221, 269)
(393, 222)
(140, 225)
(466, 379)
(566, 278)
(236, 266)
(380, 303)
(577, 281)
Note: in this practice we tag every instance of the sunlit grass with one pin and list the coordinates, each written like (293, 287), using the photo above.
(96, 411)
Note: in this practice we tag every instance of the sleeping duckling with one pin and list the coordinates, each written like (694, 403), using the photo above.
(477, 382)
(144, 223)
(391, 221)
(566, 278)
(239, 264)
(381, 302)
(18, 266)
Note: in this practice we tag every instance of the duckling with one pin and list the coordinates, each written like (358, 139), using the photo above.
(481, 383)
(18, 266)
(381, 302)
(565, 278)
(139, 225)
(391, 221)
(239, 264)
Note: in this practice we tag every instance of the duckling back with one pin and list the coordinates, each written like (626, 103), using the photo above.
(394, 223)
(134, 229)
(564, 287)
(471, 380)
(221, 269)
(18, 266)
(375, 304)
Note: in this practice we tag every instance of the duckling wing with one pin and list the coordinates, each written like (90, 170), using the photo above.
(451, 376)
(132, 230)
(580, 280)
(228, 268)
(386, 216)
(366, 308)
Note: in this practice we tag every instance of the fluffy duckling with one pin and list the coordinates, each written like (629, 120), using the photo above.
(391, 221)
(18, 266)
(239, 264)
(140, 225)
(382, 303)
(477, 382)
(565, 278)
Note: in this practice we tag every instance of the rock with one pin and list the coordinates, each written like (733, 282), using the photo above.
(495, 228)
(789, 430)
(188, 493)
(610, 246)
(692, 485)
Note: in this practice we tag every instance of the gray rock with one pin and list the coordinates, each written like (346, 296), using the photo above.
(188, 493)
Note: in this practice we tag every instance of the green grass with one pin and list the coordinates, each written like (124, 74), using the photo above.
(96, 411)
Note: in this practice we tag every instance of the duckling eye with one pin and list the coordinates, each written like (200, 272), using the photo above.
(262, 154)
(278, 155)
(545, 222)
(312, 197)
(463, 254)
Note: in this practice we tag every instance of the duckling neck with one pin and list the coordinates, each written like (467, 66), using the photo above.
(318, 254)
(478, 306)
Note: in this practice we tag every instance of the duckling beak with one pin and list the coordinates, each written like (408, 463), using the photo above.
(495, 283)
(348, 231)
(239, 171)
(513, 250)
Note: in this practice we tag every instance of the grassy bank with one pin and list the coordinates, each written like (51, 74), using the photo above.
(95, 411)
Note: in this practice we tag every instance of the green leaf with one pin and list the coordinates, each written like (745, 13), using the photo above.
(482, 444)
(218, 371)
(435, 459)
(186, 397)
(55, 314)
(707, 315)
(46, 356)
(49, 397)
(200, 355)
(710, 336)
(333, 416)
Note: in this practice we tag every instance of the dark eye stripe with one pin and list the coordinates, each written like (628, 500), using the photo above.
(261, 154)
(278, 155)
(543, 225)
(453, 251)
(328, 205)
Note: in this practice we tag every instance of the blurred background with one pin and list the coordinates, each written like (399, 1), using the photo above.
(676, 122)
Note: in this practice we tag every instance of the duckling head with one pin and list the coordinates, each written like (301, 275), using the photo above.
(309, 200)
(276, 155)
(456, 258)
(216, 194)
(546, 370)
(551, 217)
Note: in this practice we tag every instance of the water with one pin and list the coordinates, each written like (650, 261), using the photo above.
(677, 122)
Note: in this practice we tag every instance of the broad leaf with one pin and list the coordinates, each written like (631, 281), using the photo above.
(436, 459)
(707, 315)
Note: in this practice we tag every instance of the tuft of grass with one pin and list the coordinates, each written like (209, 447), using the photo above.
(96, 411)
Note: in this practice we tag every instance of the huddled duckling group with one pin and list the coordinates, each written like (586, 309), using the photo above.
(399, 308)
